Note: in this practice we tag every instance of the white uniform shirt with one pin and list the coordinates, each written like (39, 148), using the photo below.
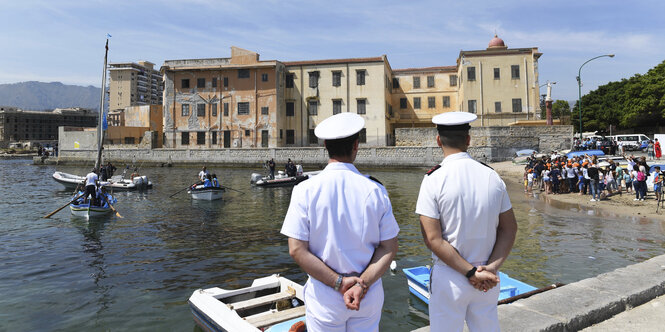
(203, 175)
(343, 215)
(467, 197)
(90, 179)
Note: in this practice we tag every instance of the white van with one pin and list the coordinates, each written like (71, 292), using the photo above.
(631, 141)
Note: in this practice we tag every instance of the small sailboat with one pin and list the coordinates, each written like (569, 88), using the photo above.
(102, 205)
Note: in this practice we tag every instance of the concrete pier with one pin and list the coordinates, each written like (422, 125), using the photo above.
(618, 298)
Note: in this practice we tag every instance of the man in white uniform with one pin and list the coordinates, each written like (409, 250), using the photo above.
(91, 186)
(343, 234)
(468, 222)
(203, 174)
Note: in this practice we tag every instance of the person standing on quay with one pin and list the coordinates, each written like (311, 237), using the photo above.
(468, 223)
(343, 234)
(657, 149)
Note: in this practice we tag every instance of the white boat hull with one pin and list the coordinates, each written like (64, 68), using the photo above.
(70, 181)
(88, 212)
(207, 194)
(242, 310)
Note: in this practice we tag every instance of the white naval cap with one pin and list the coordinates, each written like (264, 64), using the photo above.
(454, 118)
(339, 126)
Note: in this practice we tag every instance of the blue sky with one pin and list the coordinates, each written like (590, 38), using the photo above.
(63, 40)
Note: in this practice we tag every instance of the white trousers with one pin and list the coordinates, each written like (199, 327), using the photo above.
(453, 300)
(326, 312)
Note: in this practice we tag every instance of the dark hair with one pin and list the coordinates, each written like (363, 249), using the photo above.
(208, 177)
(453, 136)
(341, 147)
(214, 176)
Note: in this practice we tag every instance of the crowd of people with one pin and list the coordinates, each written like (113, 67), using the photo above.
(590, 175)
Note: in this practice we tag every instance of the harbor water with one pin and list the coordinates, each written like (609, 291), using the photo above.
(137, 272)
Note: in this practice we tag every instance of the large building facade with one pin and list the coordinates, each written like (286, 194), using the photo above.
(19, 125)
(223, 102)
(316, 90)
(134, 84)
(241, 102)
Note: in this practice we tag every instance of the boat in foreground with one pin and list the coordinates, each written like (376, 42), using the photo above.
(271, 304)
(418, 281)
(206, 193)
(88, 210)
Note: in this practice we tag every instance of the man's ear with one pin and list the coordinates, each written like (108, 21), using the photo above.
(438, 141)
(468, 140)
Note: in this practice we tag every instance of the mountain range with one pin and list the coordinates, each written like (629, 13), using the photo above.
(38, 96)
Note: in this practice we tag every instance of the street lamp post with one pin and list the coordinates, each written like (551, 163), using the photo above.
(579, 86)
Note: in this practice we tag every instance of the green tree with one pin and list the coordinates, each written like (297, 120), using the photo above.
(559, 108)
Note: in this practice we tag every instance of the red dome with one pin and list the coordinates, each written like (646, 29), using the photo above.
(496, 42)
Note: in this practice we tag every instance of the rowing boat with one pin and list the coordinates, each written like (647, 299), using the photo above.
(418, 281)
(271, 304)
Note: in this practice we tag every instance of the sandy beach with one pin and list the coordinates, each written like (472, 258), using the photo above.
(620, 205)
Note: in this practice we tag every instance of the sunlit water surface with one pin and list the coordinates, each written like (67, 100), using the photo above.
(137, 272)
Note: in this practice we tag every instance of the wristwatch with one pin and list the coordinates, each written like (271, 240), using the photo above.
(338, 282)
(471, 272)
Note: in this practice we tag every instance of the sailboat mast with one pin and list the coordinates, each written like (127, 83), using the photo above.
(100, 130)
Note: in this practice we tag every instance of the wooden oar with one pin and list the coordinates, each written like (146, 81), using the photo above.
(64, 206)
(227, 187)
(179, 191)
(111, 206)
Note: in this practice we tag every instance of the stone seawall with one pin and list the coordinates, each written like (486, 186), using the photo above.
(496, 143)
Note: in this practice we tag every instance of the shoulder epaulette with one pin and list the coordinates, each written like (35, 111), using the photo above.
(490, 167)
(374, 179)
(433, 169)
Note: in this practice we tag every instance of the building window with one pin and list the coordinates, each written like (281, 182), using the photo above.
(471, 73)
(264, 77)
(337, 106)
(362, 106)
(264, 110)
(213, 109)
(214, 82)
(313, 79)
(243, 108)
(184, 138)
(515, 72)
(431, 102)
(264, 138)
(129, 140)
(200, 138)
(290, 108)
(497, 107)
(416, 82)
(472, 106)
(280, 134)
(243, 73)
(416, 103)
(337, 78)
(430, 81)
(395, 83)
(497, 73)
(453, 80)
(446, 101)
(402, 103)
(360, 76)
(289, 80)
(362, 136)
(185, 109)
(200, 83)
(226, 109)
(312, 107)
(247, 133)
(290, 136)
(226, 82)
(517, 105)
(312, 137)
(184, 83)
(200, 109)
